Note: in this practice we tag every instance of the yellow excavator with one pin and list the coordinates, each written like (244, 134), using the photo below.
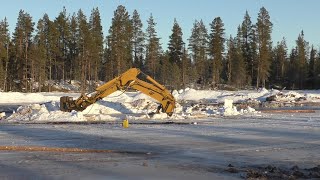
(132, 78)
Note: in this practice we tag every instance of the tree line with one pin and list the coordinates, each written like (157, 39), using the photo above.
(73, 47)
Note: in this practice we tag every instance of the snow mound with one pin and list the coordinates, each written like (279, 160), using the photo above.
(290, 96)
(48, 112)
(229, 109)
(190, 104)
(195, 95)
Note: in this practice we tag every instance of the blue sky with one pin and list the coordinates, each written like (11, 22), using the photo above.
(284, 14)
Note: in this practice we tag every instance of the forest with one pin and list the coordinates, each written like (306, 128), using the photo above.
(72, 46)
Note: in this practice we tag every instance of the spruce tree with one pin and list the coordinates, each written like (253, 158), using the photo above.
(165, 70)
(176, 43)
(216, 49)
(198, 46)
(236, 69)
(153, 49)
(247, 45)
(175, 47)
(278, 66)
(264, 29)
(186, 68)
(239, 64)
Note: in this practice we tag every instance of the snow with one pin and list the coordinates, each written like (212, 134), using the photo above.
(228, 108)
(2, 115)
(191, 104)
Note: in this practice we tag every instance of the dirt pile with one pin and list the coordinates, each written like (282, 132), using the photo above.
(272, 172)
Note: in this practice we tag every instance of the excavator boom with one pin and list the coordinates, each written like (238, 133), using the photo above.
(133, 78)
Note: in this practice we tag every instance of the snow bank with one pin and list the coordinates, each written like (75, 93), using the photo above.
(111, 108)
(16, 98)
(220, 96)
(191, 103)
(48, 112)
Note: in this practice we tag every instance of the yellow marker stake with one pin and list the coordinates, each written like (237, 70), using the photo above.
(125, 123)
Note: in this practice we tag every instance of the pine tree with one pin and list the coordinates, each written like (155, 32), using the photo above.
(317, 71)
(39, 54)
(107, 72)
(229, 59)
(47, 23)
(22, 40)
(138, 38)
(4, 53)
(264, 29)
(73, 47)
(2, 74)
(312, 68)
(216, 49)
(255, 57)
(293, 69)
(120, 37)
(153, 49)
(85, 42)
(63, 38)
(198, 45)
(97, 48)
(302, 47)
(53, 50)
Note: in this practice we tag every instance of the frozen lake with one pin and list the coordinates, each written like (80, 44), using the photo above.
(202, 150)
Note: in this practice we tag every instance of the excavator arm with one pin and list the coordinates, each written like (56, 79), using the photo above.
(133, 78)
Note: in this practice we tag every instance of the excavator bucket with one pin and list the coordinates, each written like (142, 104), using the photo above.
(65, 102)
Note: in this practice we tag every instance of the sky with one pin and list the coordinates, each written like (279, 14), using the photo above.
(289, 17)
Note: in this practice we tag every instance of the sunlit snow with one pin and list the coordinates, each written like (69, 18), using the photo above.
(191, 103)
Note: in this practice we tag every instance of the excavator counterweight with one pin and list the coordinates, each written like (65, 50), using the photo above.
(133, 78)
